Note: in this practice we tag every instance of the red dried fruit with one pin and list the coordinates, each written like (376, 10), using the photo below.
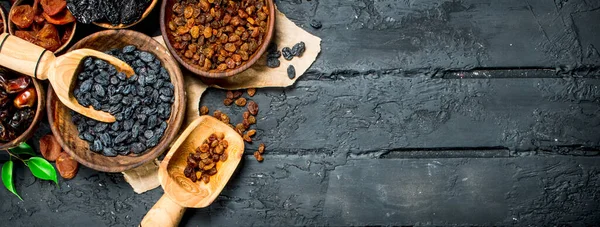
(48, 38)
(27, 36)
(53, 7)
(62, 18)
(66, 165)
(49, 147)
(22, 16)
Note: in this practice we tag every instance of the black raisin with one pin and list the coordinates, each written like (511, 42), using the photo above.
(287, 53)
(298, 49)
(291, 72)
(122, 137)
(316, 24)
(273, 62)
(128, 49)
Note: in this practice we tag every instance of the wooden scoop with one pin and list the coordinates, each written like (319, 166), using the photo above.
(180, 191)
(29, 59)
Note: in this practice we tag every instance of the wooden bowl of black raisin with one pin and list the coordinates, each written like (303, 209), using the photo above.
(11, 136)
(141, 117)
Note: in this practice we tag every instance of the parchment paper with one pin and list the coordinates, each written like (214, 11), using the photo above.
(286, 34)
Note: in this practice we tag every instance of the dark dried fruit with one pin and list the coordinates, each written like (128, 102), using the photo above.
(291, 72)
(141, 103)
(316, 24)
(298, 49)
(273, 62)
(287, 53)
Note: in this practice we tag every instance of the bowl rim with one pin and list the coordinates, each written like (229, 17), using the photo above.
(123, 26)
(11, 27)
(195, 70)
(148, 155)
(39, 113)
(5, 24)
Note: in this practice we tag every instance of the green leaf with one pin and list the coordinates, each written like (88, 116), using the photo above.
(7, 178)
(23, 148)
(42, 169)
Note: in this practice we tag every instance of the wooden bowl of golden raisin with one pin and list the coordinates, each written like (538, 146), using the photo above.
(217, 38)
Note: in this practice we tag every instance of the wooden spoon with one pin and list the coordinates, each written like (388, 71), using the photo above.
(181, 192)
(29, 59)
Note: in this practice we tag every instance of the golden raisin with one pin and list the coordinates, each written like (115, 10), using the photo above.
(258, 156)
(251, 91)
(251, 132)
(261, 148)
(251, 120)
(240, 102)
(227, 102)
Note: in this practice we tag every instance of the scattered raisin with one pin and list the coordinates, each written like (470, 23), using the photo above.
(251, 91)
(258, 156)
(227, 101)
(203, 110)
(291, 72)
(240, 102)
(252, 108)
(261, 148)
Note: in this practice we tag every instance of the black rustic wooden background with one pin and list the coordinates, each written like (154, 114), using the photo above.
(416, 112)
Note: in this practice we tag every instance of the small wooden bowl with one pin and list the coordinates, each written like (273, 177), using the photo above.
(65, 131)
(12, 28)
(122, 26)
(165, 16)
(4, 22)
(39, 114)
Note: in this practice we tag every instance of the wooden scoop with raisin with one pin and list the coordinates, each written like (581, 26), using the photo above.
(181, 191)
(29, 59)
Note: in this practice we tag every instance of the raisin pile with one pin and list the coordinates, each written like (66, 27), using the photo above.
(203, 163)
(141, 103)
(248, 117)
(113, 11)
(218, 35)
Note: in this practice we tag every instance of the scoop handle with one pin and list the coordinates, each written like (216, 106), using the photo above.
(165, 213)
(24, 57)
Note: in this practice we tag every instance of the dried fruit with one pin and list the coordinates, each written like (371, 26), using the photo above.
(203, 110)
(140, 103)
(247, 138)
(112, 11)
(251, 91)
(53, 7)
(26, 98)
(240, 102)
(67, 166)
(227, 102)
(223, 34)
(298, 49)
(59, 19)
(287, 53)
(203, 163)
(316, 24)
(49, 147)
(252, 108)
(261, 148)
(258, 156)
(22, 16)
(291, 72)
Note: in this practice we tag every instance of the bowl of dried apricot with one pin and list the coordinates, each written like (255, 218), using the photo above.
(217, 38)
(46, 23)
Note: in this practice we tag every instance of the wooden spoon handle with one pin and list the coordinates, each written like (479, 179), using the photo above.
(164, 213)
(24, 57)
